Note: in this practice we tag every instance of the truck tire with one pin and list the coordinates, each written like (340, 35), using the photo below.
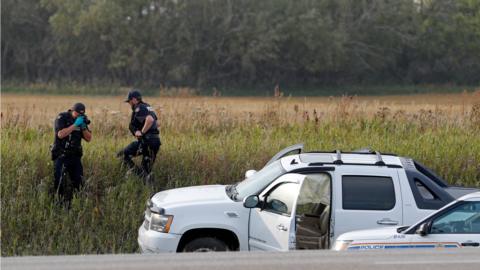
(205, 244)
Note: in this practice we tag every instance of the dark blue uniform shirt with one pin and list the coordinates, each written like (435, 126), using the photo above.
(72, 144)
(139, 114)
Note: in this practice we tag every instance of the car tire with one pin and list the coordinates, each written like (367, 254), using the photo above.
(205, 244)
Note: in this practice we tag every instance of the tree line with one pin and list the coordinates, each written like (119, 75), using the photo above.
(241, 42)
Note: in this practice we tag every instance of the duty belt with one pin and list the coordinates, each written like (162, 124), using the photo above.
(151, 136)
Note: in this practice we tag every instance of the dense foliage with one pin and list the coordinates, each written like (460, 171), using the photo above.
(241, 43)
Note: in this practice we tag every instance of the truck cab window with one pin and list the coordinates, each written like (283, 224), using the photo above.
(367, 193)
(424, 191)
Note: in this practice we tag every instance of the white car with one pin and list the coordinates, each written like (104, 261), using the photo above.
(297, 201)
(456, 225)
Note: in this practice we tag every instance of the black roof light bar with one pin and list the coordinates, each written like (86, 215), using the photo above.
(380, 161)
(338, 160)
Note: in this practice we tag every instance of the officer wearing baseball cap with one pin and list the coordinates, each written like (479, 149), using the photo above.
(70, 128)
(133, 94)
(143, 125)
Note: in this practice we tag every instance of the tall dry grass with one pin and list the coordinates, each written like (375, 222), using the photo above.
(37, 110)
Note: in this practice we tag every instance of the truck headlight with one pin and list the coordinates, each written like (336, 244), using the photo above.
(341, 245)
(160, 223)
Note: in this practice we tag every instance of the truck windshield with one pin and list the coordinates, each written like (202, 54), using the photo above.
(257, 182)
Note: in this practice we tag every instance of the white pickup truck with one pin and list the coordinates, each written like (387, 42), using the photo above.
(297, 201)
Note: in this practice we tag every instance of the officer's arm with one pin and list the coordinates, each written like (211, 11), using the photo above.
(65, 131)
(61, 127)
(148, 124)
(87, 135)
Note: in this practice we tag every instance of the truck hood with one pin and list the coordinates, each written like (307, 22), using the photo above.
(190, 195)
(373, 234)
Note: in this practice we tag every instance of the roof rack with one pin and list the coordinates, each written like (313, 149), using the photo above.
(339, 158)
(356, 164)
(357, 152)
(380, 161)
(366, 150)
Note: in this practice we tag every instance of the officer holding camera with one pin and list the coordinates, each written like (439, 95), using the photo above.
(70, 128)
(143, 125)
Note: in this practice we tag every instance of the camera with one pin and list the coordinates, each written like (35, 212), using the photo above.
(85, 119)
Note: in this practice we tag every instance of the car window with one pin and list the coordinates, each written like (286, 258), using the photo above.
(464, 218)
(424, 191)
(260, 180)
(367, 193)
(281, 199)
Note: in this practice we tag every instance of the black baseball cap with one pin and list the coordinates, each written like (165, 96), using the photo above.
(134, 93)
(79, 108)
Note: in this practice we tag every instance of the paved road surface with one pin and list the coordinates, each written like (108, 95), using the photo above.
(300, 260)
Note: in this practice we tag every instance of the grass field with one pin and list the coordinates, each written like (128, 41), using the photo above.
(206, 140)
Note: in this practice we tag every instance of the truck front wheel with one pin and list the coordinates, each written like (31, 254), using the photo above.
(205, 244)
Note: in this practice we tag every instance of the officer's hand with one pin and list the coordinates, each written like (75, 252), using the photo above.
(79, 121)
(138, 134)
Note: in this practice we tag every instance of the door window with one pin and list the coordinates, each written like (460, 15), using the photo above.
(463, 219)
(367, 193)
(280, 199)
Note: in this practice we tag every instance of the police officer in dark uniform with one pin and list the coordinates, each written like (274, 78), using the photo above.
(143, 125)
(70, 128)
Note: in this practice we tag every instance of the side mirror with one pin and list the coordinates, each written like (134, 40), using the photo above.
(251, 201)
(422, 230)
(249, 173)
